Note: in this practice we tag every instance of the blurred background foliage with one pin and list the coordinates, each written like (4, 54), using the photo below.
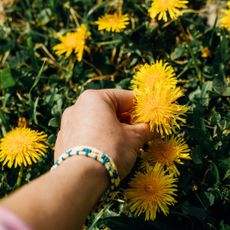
(38, 85)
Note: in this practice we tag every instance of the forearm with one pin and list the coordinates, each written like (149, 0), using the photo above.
(55, 200)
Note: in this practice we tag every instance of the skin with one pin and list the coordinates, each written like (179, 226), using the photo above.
(63, 198)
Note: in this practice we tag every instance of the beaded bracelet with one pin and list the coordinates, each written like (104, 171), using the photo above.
(97, 155)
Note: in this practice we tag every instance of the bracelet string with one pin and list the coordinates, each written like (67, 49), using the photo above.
(97, 155)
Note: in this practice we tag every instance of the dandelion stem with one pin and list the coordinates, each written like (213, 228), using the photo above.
(19, 179)
(198, 71)
(199, 74)
(205, 208)
(109, 42)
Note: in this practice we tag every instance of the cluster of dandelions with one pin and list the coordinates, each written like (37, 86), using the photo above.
(154, 188)
(75, 42)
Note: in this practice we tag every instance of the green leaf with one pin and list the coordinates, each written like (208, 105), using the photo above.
(6, 78)
(227, 175)
(197, 212)
(124, 83)
(44, 16)
(178, 52)
(215, 171)
(224, 47)
(35, 112)
(52, 139)
(220, 86)
(224, 166)
(224, 226)
(54, 122)
(211, 198)
(196, 155)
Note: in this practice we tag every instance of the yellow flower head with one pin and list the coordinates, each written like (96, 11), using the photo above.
(194, 188)
(225, 19)
(150, 75)
(156, 94)
(164, 8)
(205, 52)
(151, 192)
(73, 42)
(167, 152)
(22, 122)
(22, 146)
(113, 22)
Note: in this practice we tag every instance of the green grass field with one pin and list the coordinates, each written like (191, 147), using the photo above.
(36, 84)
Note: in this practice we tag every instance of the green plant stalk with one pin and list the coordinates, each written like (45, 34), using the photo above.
(19, 179)
(201, 202)
(199, 74)
(198, 71)
(112, 42)
(98, 217)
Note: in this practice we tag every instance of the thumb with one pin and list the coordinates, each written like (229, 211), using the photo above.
(142, 131)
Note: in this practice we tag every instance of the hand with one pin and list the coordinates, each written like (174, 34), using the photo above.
(93, 121)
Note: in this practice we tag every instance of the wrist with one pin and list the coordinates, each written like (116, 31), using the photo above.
(96, 155)
(88, 168)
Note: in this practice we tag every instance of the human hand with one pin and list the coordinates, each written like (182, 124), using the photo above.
(93, 121)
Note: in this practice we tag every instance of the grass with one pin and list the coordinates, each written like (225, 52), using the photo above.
(38, 85)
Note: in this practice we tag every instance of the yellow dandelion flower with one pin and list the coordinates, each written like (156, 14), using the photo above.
(162, 9)
(168, 152)
(113, 22)
(194, 188)
(225, 19)
(150, 75)
(73, 42)
(156, 94)
(2, 15)
(205, 52)
(151, 192)
(22, 146)
(22, 122)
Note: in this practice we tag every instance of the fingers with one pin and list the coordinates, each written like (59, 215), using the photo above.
(117, 99)
(142, 132)
(121, 100)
